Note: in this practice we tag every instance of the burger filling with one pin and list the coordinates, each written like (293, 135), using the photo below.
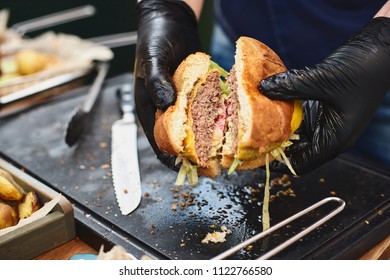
(207, 121)
(207, 118)
(232, 109)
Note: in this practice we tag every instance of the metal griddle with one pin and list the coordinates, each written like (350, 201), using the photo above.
(34, 141)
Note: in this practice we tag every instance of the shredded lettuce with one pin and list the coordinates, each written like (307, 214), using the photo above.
(187, 170)
(287, 161)
(236, 162)
(265, 215)
(279, 155)
(221, 71)
(181, 176)
(224, 87)
(294, 137)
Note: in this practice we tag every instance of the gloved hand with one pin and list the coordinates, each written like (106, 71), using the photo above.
(345, 90)
(167, 33)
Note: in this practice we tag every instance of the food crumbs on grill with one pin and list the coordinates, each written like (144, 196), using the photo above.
(103, 145)
(253, 190)
(321, 180)
(182, 245)
(380, 212)
(174, 206)
(154, 183)
(288, 192)
(125, 191)
(146, 194)
(217, 236)
(105, 166)
(82, 167)
(249, 248)
(281, 181)
(182, 203)
(367, 222)
(332, 193)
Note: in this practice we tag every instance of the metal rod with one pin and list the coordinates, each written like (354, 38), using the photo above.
(116, 40)
(54, 19)
(283, 223)
(94, 91)
(44, 85)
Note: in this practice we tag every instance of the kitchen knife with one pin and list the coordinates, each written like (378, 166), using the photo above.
(124, 155)
(80, 115)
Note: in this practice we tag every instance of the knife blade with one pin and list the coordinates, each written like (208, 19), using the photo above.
(80, 114)
(124, 155)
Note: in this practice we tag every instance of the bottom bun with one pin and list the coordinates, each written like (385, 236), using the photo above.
(227, 161)
(212, 170)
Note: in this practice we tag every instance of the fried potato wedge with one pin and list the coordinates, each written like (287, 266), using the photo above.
(9, 189)
(8, 216)
(28, 205)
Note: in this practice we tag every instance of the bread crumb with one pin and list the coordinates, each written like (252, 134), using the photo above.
(217, 236)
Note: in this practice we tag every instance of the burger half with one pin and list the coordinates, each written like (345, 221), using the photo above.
(193, 128)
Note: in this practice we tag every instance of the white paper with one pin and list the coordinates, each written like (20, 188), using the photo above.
(42, 212)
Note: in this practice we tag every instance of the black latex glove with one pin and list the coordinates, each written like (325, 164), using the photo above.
(346, 89)
(167, 33)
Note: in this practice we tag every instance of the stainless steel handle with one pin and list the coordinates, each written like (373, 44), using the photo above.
(42, 86)
(54, 19)
(116, 40)
(95, 88)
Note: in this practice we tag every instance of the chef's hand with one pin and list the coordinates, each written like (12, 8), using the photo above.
(344, 91)
(167, 33)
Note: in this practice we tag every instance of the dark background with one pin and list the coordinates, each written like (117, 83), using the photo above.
(112, 16)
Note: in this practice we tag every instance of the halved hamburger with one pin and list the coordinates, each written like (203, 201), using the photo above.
(226, 123)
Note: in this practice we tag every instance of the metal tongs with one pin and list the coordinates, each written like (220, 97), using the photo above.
(81, 113)
(283, 223)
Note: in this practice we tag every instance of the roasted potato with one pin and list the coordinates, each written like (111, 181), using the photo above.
(9, 189)
(28, 205)
(8, 216)
(30, 61)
